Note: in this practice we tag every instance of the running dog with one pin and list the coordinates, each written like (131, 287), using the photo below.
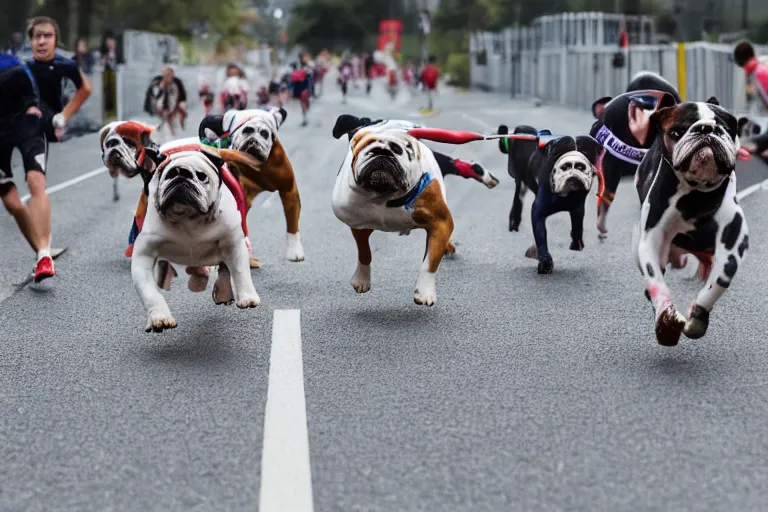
(621, 127)
(687, 186)
(193, 220)
(255, 132)
(389, 181)
(560, 173)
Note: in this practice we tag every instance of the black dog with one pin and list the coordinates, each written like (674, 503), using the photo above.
(687, 186)
(518, 154)
(560, 173)
(622, 128)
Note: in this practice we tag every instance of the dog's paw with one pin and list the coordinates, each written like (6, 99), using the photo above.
(602, 230)
(669, 325)
(425, 292)
(546, 265)
(489, 180)
(294, 251)
(222, 293)
(254, 262)
(159, 321)
(249, 301)
(577, 245)
(697, 323)
(514, 225)
(361, 279)
(450, 249)
(532, 252)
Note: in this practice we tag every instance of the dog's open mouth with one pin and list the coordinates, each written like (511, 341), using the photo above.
(252, 148)
(706, 166)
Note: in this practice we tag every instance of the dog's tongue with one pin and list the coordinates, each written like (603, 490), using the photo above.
(744, 155)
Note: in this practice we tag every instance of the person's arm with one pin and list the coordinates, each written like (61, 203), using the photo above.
(182, 90)
(83, 86)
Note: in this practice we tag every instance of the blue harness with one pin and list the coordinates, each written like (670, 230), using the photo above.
(408, 200)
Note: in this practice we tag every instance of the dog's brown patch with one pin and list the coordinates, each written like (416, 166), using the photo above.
(431, 213)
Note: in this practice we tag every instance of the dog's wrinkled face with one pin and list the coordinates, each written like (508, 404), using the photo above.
(702, 140)
(382, 161)
(188, 187)
(121, 143)
(254, 131)
(571, 162)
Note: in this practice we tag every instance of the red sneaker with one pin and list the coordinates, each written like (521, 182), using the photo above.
(44, 269)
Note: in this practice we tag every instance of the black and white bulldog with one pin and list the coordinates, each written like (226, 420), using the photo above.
(391, 182)
(192, 220)
(122, 149)
(687, 186)
(560, 173)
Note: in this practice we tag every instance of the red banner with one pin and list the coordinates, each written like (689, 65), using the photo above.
(390, 30)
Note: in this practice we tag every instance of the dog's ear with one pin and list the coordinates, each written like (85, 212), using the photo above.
(346, 124)
(589, 147)
(280, 114)
(503, 142)
(598, 107)
(657, 121)
(211, 128)
(713, 101)
(105, 131)
(155, 156)
(740, 124)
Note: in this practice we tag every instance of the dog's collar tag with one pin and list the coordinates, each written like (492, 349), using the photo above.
(410, 198)
(618, 148)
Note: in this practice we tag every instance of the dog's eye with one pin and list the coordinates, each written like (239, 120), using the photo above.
(201, 176)
(675, 134)
(395, 148)
(248, 130)
(264, 134)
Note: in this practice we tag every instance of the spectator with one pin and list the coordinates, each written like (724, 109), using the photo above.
(15, 44)
(83, 57)
(109, 52)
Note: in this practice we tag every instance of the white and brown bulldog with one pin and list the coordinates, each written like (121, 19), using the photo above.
(192, 220)
(390, 181)
(255, 132)
(122, 149)
(686, 183)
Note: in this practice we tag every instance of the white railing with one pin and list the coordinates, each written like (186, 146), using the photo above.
(578, 75)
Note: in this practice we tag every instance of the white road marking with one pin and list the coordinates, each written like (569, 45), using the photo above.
(752, 189)
(69, 183)
(286, 481)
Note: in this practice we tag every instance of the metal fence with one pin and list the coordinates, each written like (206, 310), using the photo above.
(577, 75)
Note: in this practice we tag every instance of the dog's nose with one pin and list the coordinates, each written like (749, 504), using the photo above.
(179, 171)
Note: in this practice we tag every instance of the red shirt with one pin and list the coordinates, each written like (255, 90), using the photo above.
(429, 76)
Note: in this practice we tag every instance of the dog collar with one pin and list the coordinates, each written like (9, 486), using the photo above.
(619, 148)
(410, 198)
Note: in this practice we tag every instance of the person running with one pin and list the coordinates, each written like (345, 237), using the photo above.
(345, 75)
(166, 98)
(429, 77)
(368, 65)
(20, 128)
(300, 85)
(48, 70)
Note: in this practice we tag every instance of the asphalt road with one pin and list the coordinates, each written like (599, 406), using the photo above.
(515, 392)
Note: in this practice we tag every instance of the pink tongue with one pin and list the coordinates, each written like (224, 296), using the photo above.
(744, 155)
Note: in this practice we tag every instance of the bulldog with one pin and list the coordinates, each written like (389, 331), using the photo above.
(448, 166)
(621, 127)
(560, 173)
(687, 186)
(122, 149)
(192, 220)
(255, 133)
(389, 181)
(124, 146)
